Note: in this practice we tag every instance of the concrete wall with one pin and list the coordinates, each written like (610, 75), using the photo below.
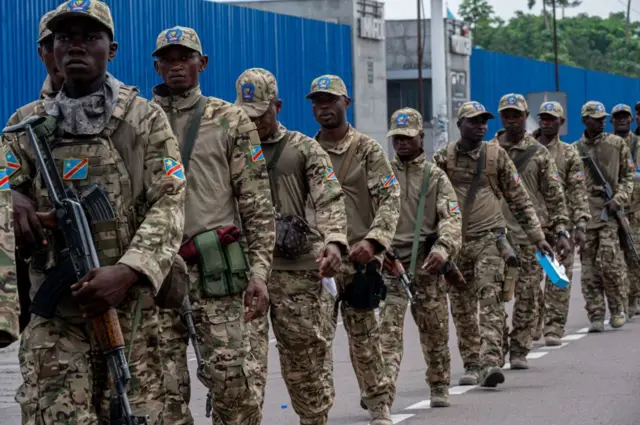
(369, 97)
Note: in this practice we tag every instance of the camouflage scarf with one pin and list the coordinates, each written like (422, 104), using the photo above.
(87, 115)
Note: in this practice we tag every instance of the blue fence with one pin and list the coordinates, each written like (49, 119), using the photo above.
(495, 74)
(296, 50)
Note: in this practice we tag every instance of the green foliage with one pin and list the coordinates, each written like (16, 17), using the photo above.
(584, 41)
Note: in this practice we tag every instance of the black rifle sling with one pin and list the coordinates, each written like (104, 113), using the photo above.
(592, 166)
(523, 160)
(634, 149)
(192, 133)
(473, 189)
(271, 168)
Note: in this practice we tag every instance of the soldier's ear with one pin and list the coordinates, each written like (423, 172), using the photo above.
(204, 61)
(562, 121)
(156, 67)
(113, 48)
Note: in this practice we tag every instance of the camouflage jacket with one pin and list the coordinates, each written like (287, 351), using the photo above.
(633, 141)
(441, 210)
(9, 303)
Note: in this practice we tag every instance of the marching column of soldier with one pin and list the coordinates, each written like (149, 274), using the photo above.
(222, 218)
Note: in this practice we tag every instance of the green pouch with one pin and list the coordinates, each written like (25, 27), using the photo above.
(238, 267)
(213, 266)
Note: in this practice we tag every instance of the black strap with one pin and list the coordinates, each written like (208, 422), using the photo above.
(634, 149)
(473, 189)
(271, 169)
(593, 166)
(192, 133)
(522, 161)
(276, 155)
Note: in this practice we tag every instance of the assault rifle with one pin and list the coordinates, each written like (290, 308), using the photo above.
(76, 259)
(626, 237)
(403, 278)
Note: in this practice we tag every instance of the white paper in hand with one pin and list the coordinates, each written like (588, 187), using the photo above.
(329, 285)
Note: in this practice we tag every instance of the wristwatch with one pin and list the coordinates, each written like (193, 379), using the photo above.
(565, 234)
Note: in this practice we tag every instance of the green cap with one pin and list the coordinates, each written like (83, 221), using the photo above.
(328, 84)
(94, 9)
(45, 32)
(255, 89)
(551, 108)
(513, 101)
(621, 108)
(594, 109)
(178, 36)
(473, 109)
(405, 122)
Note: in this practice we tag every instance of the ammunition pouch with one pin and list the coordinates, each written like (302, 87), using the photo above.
(223, 268)
(291, 236)
(175, 286)
(367, 288)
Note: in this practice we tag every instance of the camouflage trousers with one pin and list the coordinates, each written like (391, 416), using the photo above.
(525, 308)
(603, 273)
(479, 338)
(431, 314)
(174, 341)
(633, 269)
(553, 302)
(365, 350)
(65, 373)
(301, 316)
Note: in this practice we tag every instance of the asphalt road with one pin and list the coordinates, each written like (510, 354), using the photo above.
(589, 380)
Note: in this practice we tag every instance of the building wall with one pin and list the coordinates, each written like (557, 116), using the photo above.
(495, 74)
(296, 50)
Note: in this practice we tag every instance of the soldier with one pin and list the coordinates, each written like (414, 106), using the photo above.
(603, 268)
(372, 204)
(105, 134)
(426, 193)
(228, 190)
(298, 170)
(554, 301)
(481, 174)
(621, 119)
(9, 303)
(538, 172)
(637, 120)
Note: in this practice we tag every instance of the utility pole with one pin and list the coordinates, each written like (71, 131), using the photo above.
(555, 45)
(628, 19)
(439, 79)
(420, 52)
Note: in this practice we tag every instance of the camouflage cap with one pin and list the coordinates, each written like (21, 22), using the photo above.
(473, 109)
(328, 84)
(94, 9)
(594, 109)
(178, 36)
(255, 89)
(45, 32)
(621, 108)
(552, 108)
(513, 101)
(405, 122)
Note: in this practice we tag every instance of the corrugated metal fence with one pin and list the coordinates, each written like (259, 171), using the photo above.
(495, 74)
(235, 38)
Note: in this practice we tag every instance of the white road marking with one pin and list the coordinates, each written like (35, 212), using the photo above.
(424, 404)
(583, 331)
(606, 322)
(536, 355)
(574, 337)
(564, 344)
(506, 366)
(461, 389)
(399, 418)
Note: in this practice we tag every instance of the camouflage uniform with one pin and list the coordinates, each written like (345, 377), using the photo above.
(226, 156)
(554, 301)
(63, 370)
(372, 204)
(542, 181)
(603, 267)
(480, 339)
(633, 213)
(9, 303)
(299, 306)
(430, 309)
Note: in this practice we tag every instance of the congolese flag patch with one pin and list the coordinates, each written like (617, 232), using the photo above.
(173, 168)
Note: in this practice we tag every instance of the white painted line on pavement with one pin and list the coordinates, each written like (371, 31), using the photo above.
(574, 337)
(583, 331)
(424, 404)
(506, 366)
(606, 322)
(399, 418)
(461, 389)
(536, 355)
(564, 344)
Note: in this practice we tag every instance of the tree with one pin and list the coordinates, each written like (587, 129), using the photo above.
(480, 15)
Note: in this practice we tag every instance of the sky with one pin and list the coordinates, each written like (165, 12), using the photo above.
(407, 9)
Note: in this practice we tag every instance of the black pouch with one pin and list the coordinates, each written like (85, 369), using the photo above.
(291, 236)
(367, 288)
(175, 286)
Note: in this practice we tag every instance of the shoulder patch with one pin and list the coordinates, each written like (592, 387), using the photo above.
(173, 168)
(12, 162)
(256, 153)
(75, 168)
(556, 175)
(516, 177)
(454, 208)
(331, 175)
(4, 180)
(631, 164)
(580, 175)
(390, 180)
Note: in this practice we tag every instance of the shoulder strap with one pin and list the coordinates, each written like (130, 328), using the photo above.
(634, 149)
(348, 159)
(276, 155)
(126, 95)
(416, 232)
(473, 189)
(192, 133)
(524, 159)
(271, 169)
(491, 167)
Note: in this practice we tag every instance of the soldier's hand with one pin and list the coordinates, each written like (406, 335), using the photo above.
(545, 248)
(563, 247)
(612, 206)
(579, 239)
(330, 260)
(103, 288)
(257, 289)
(26, 224)
(362, 253)
(433, 263)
